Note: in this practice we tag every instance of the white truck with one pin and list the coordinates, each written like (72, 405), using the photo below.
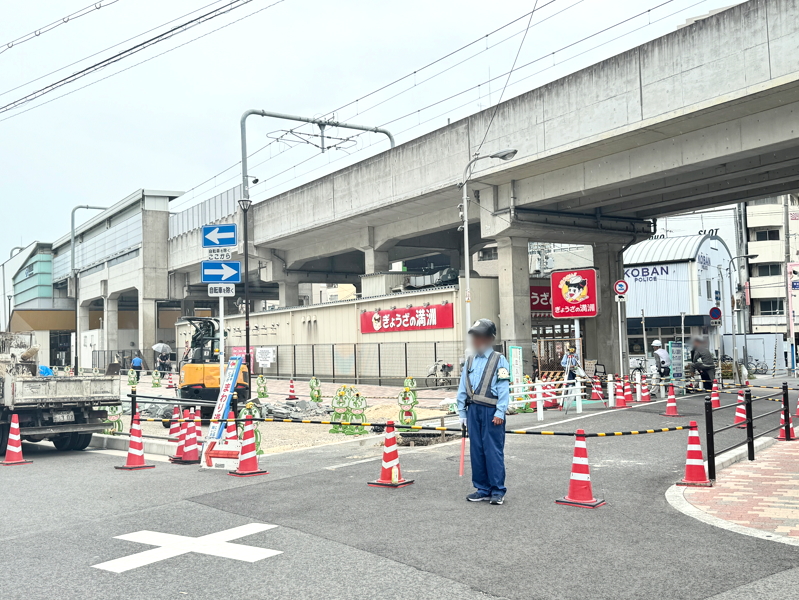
(63, 409)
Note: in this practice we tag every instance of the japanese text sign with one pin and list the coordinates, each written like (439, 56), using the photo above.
(575, 293)
(437, 316)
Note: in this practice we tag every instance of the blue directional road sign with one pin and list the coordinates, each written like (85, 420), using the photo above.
(220, 236)
(221, 271)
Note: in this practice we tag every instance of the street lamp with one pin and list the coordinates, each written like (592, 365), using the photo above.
(506, 154)
(245, 203)
(736, 375)
(8, 327)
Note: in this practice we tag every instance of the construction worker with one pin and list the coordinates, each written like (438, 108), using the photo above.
(662, 359)
(482, 402)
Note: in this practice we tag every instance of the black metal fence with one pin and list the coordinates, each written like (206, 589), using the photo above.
(748, 424)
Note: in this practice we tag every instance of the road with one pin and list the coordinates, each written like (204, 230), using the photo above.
(337, 538)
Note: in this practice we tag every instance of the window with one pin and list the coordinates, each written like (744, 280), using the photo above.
(767, 270)
(488, 254)
(28, 271)
(767, 235)
(771, 307)
(709, 291)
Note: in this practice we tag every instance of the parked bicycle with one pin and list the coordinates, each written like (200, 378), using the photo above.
(440, 375)
(756, 366)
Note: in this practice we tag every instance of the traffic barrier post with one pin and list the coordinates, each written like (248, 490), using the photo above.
(786, 411)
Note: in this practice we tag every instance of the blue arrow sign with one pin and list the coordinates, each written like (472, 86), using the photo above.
(218, 271)
(220, 236)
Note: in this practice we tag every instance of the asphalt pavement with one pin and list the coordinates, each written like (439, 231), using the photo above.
(339, 538)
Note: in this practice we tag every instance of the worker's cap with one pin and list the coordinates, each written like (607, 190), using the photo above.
(656, 343)
(483, 327)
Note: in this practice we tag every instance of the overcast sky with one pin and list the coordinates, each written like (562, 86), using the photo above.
(172, 122)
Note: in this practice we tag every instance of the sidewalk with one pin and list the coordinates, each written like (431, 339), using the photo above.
(763, 494)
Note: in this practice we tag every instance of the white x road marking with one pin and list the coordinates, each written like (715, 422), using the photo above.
(214, 544)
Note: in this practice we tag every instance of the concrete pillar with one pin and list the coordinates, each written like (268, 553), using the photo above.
(84, 350)
(111, 327)
(454, 259)
(375, 261)
(148, 319)
(514, 289)
(288, 293)
(602, 333)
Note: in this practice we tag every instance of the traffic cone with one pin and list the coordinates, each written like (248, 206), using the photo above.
(740, 412)
(645, 395)
(230, 430)
(198, 429)
(169, 384)
(550, 398)
(620, 400)
(191, 453)
(248, 461)
(715, 401)
(596, 389)
(292, 395)
(580, 493)
(797, 409)
(694, 462)
(184, 426)
(671, 404)
(135, 460)
(628, 393)
(390, 474)
(14, 446)
(174, 425)
(782, 428)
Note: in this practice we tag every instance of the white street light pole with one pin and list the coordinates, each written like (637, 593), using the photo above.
(502, 155)
(735, 374)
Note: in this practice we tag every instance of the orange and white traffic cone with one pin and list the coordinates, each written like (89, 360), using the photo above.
(671, 404)
(230, 430)
(782, 428)
(645, 395)
(580, 492)
(715, 401)
(184, 427)
(620, 400)
(169, 383)
(797, 409)
(596, 389)
(174, 425)
(694, 462)
(390, 473)
(292, 395)
(191, 451)
(135, 460)
(14, 446)
(550, 397)
(248, 460)
(628, 392)
(740, 412)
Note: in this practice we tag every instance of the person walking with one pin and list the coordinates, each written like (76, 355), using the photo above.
(136, 365)
(483, 397)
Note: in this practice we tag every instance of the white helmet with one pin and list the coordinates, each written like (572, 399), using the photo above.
(656, 343)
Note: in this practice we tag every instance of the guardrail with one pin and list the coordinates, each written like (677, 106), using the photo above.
(748, 424)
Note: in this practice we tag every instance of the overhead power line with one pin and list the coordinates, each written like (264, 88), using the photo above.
(233, 5)
(94, 7)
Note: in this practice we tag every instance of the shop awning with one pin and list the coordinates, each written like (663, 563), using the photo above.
(42, 320)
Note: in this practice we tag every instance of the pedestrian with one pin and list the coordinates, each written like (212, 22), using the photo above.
(163, 362)
(482, 403)
(136, 365)
(703, 362)
(662, 359)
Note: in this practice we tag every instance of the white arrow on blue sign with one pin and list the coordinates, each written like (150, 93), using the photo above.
(220, 236)
(217, 271)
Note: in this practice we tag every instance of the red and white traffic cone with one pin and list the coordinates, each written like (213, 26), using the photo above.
(14, 446)
(620, 400)
(580, 492)
(191, 451)
(715, 401)
(671, 404)
(169, 383)
(782, 428)
(550, 397)
(596, 389)
(230, 430)
(797, 409)
(198, 429)
(645, 395)
(184, 428)
(248, 460)
(292, 395)
(628, 392)
(740, 412)
(135, 460)
(694, 462)
(174, 425)
(390, 473)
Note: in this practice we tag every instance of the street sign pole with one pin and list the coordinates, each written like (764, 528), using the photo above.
(222, 339)
(619, 301)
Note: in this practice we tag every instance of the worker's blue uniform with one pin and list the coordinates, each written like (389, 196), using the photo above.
(486, 440)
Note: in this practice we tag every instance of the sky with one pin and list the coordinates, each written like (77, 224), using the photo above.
(172, 123)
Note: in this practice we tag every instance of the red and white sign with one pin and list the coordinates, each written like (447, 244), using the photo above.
(437, 316)
(540, 298)
(621, 287)
(575, 293)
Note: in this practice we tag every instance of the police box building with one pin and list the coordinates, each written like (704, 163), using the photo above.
(673, 284)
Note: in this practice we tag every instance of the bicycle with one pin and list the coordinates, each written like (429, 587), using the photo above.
(439, 375)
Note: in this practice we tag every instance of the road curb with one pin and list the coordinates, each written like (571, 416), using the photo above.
(118, 442)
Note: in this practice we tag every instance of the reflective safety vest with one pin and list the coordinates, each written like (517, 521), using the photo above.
(483, 394)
